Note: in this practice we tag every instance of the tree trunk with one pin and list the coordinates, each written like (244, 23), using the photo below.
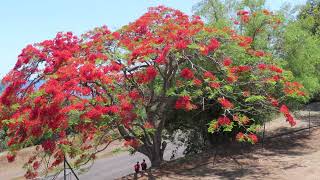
(155, 151)
(158, 149)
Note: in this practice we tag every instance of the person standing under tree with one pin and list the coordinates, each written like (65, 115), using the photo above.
(144, 165)
(137, 167)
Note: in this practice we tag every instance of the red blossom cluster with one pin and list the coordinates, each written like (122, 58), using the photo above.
(285, 110)
(227, 61)
(252, 138)
(197, 82)
(132, 143)
(186, 73)
(212, 46)
(48, 146)
(209, 75)
(242, 120)
(294, 88)
(11, 157)
(147, 76)
(184, 102)
(244, 16)
(223, 120)
(225, 103)
(244, 41)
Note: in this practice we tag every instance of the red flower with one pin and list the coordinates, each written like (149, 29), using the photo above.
(10, 157)
(197, 82)
(226, 104)
(93, 114)
(115, 67)
(259, 53)
(151, 73)
(214, 44)
(274, 102)
(148, 125)
(253, 138)
(184, 102)
(116, 35)
(126, 106)
(36, 165)
(132, 142)
(134, 94)
(240, 137)
(160, 59)
(209, 75)
(204, 50)
(48, 146)
(242, 12)
(276, 78)
(244, 68)
(301, 93)
(186, 73)
(290, 119)
(223, 120)
(284, 109)
(227, 61)
(262, 66)
(232, 78)
(182, 44)
(246, 41)
(30, 175)
(214, 84)
(244, 120)
(275, 69)
(245, 18)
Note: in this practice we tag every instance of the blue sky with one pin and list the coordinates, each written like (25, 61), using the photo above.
(28, 21)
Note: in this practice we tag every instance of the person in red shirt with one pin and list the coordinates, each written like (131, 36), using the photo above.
(144, 165)
(137, 167)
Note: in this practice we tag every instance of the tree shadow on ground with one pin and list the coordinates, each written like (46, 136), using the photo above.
(315, 106)
(234, 160)
(289, 144)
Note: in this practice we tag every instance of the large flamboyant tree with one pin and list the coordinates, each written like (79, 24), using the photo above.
(74, 96)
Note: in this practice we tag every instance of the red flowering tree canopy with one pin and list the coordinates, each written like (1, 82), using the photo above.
(72, 95)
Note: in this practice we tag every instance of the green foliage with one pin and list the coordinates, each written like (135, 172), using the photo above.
(301, 55)
(216, 12)
(311, 14)
(253, 99)
(3, 140)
